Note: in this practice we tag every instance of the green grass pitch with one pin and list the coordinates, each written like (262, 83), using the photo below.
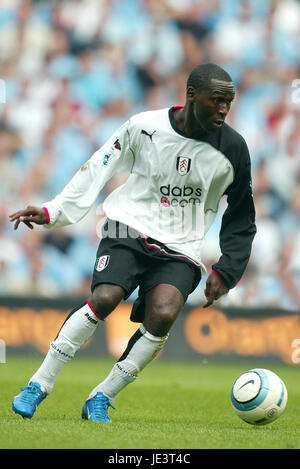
(174, 405)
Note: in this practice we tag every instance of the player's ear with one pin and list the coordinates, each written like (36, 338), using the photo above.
(191, 93)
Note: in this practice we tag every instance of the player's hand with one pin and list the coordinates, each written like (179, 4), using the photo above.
(28, 216)
(215, 288)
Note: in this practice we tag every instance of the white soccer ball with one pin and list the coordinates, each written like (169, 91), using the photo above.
(258, 396)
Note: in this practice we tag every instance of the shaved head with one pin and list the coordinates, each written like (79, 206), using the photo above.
(210, 77)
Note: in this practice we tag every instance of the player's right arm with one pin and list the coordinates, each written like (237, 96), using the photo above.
(78, 196)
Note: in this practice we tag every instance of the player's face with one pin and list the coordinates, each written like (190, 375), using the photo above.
(211, 106)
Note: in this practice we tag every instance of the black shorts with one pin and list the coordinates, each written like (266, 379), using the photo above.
(130, 260)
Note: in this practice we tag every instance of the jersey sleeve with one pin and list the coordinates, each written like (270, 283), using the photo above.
(78, 196)
(238, 223)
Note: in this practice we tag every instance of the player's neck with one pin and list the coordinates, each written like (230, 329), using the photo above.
(186, 123)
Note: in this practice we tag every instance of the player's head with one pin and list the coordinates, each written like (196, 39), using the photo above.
(210, 91)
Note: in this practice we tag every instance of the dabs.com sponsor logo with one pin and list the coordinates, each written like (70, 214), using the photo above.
(180, 196)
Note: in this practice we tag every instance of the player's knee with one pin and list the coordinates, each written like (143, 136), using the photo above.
(166, 315)
(105, 298)
(163, 314)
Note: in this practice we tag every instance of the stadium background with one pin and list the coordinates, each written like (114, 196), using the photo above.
(71, 73)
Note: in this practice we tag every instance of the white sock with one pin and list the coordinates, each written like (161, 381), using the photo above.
(141, 350)
(77, 329)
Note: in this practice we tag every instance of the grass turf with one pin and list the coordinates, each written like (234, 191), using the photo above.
(174, 405)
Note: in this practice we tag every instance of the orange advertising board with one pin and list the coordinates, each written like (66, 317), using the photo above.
(211, 332)
(197, 331)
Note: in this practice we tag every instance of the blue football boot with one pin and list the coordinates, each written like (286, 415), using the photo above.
(27, 401)
(96, 408)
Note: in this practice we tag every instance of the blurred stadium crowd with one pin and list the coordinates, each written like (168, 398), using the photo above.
(73, 71)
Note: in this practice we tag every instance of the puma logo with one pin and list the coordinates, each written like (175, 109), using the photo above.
(143, 132)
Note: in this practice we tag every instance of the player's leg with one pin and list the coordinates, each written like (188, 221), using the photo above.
(164, 288)
(79, 326)
(162, 306)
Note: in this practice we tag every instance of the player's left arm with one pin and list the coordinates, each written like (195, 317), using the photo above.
(237, 230)
(215, 288)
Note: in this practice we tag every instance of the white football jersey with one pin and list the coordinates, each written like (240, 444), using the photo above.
(174, 186)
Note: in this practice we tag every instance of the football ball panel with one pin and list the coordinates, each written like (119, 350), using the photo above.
(250, 390)
(246, 387)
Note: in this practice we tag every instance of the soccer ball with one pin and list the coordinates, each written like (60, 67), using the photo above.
(258, 396)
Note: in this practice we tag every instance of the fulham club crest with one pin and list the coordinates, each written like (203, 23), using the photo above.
(102, 262)
(183, 165)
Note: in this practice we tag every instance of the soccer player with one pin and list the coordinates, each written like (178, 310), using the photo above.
(181, 162)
